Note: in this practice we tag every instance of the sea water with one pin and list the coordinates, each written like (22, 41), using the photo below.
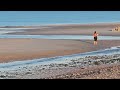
(74, 37)
(18, 18)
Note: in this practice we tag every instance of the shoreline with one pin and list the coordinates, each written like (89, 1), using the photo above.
(82, 68)
(12, 50)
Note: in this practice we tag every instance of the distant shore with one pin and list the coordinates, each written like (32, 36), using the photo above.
(70, 29)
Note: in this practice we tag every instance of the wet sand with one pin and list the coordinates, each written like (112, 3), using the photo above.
(25, 49)
(71, 29)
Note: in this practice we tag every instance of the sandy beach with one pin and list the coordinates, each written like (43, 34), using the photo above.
(22, 49)
(27, 49)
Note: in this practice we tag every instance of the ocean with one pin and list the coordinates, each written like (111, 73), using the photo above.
(23, 18)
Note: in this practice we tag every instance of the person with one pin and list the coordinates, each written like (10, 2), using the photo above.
(95, 37)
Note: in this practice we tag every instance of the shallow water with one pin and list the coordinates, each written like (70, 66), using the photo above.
(83, 37)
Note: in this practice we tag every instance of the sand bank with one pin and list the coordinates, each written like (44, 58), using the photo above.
(71, 29)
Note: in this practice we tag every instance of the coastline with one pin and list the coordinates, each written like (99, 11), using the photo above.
(97, 67)
(28, 49)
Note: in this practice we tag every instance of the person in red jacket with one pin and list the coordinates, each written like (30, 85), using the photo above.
(95, 37)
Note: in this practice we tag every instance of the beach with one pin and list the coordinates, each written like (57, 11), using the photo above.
(25, 49)
(29, 49)
(104, 29)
